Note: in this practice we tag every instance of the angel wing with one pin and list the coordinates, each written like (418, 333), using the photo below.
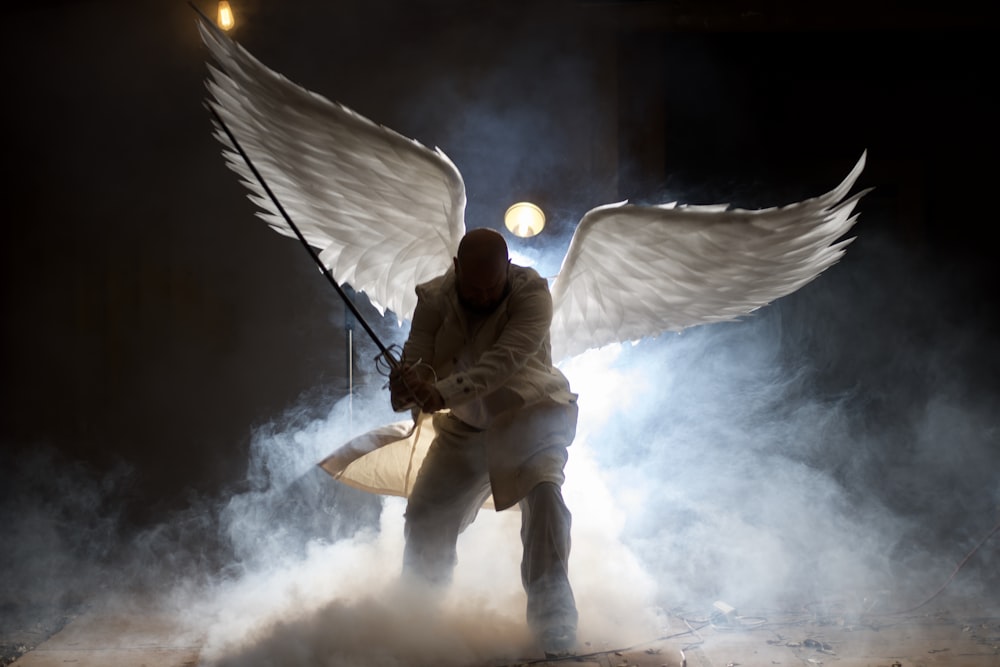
(385, 212)
(637, 271)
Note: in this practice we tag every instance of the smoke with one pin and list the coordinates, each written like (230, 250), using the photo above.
(777, 463)
(836, 448)
(813, 450)
(59, 529)
(319, 584)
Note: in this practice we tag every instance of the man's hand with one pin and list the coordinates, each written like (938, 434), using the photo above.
(429, 398)
(400, 393)
(407, 388)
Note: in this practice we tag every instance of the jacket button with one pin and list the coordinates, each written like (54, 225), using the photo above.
(459, 380)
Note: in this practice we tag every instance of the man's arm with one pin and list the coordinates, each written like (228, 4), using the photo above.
(530, 319)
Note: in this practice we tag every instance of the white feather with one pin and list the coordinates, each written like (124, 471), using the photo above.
(636, 271)
(385, 212)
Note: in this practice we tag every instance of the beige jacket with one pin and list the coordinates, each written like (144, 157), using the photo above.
(498, 375)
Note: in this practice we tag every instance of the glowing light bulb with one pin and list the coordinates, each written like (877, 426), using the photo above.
(226, 20)
(524, 219)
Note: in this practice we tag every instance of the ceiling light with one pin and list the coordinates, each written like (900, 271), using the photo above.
(226, 21)
(524, 219)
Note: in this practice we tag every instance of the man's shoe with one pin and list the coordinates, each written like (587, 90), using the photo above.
(558, 641)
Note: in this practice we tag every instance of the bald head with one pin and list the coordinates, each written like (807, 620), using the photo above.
(481, 270)
(482, 245)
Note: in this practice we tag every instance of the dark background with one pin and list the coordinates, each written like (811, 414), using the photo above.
(151, 323)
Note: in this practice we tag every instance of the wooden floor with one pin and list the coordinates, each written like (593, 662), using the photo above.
(120, 640)
(938, 636)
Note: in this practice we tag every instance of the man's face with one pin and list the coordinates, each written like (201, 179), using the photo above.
(481, 285)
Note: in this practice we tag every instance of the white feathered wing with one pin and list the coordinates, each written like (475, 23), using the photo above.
(385, 212)
(636, 271)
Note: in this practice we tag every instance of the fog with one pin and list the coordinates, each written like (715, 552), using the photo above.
(176, 370)
(757, 463)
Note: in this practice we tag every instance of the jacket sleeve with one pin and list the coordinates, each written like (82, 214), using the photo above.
(530, 316)
(427, 318)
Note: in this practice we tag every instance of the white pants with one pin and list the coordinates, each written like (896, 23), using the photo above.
(453, 484)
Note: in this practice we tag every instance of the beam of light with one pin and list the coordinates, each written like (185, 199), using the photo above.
(524, 219)
(226, 20)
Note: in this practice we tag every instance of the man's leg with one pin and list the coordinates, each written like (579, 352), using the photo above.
(452, 485)
(545, 534)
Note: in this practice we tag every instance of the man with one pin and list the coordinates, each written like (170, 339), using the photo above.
(479, 347)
